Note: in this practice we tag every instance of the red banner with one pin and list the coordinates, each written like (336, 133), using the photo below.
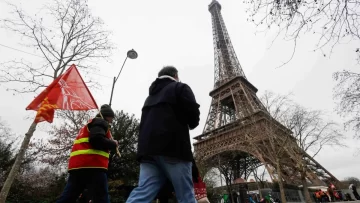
(199, 189)
(66, 92)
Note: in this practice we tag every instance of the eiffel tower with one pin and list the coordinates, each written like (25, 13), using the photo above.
(238, 121)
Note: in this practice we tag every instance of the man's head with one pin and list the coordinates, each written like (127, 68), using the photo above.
(107, 112)
(169, 71)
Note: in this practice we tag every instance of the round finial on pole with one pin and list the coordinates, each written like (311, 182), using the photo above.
(132, 54)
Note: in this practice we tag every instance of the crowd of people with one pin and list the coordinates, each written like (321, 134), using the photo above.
(164, 148)
(333, 195)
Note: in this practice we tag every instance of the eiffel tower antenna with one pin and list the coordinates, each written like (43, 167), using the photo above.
(226, 63)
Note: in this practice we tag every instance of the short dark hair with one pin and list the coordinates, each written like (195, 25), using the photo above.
(169, 71)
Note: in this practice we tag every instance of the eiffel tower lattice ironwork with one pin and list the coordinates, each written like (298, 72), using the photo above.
(238, 121)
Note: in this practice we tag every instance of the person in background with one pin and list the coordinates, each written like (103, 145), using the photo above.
(89, 159)
(330, 191)
(164, 147)
(352, 187)
(251, 200)
(226, 198)
(317, 195)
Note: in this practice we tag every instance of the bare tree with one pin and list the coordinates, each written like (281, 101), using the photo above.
(37, 185)
(209, 177)
(352, 180)
(312, 133)
(64, 34)
(67, 33)
(277, 150)
(347, 93)
(226, 168)
(5, 131)
(278, 107)
(260, 178)
(6, 151)
(332, 22)
(310, 130)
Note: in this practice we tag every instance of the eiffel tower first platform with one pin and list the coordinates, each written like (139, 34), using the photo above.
(238, 121)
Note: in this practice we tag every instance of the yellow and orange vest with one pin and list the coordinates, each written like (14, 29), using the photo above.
(84, 156)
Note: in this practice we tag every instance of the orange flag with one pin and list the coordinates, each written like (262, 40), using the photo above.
(67, 92)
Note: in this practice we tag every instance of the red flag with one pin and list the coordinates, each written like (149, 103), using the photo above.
(67, 92)
(199, 189)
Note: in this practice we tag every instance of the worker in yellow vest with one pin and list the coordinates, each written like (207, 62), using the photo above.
(89, 159)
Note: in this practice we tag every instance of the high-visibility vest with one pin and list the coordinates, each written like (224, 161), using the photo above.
(84, 156)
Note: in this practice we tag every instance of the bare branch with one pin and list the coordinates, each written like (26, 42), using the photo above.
(347, 95)
(331, 21)
(66, 33)
(311, 132)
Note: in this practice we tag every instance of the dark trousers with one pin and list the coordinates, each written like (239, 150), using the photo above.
(166, 192)
(356, 194)
(95, 181)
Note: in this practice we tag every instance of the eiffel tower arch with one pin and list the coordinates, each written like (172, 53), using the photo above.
(238, 121)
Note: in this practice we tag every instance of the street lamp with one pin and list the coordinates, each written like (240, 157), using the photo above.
(132, 54)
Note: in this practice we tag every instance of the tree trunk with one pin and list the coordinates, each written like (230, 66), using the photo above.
(16, 166)
(230, 193)
(258, 186)
(281, 186)
(229, 189)
(305, 189)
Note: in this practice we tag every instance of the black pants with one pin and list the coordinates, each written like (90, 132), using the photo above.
(165, 192)
(95, 181)
(356, 194)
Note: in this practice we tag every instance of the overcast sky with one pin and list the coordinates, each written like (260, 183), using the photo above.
(179, 33)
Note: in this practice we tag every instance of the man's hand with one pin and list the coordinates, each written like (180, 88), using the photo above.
(117, 147)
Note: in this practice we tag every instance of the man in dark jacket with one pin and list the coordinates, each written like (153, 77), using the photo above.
(164, 148)
(89, 159)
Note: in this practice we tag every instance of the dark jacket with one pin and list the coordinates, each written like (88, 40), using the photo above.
(97, 135)
(168, 113)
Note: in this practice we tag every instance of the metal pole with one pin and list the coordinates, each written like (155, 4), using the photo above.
(114, 81)
(121, 68)
(112, 90)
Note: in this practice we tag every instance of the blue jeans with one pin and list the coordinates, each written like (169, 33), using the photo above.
(94, 181)
(153, 175)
